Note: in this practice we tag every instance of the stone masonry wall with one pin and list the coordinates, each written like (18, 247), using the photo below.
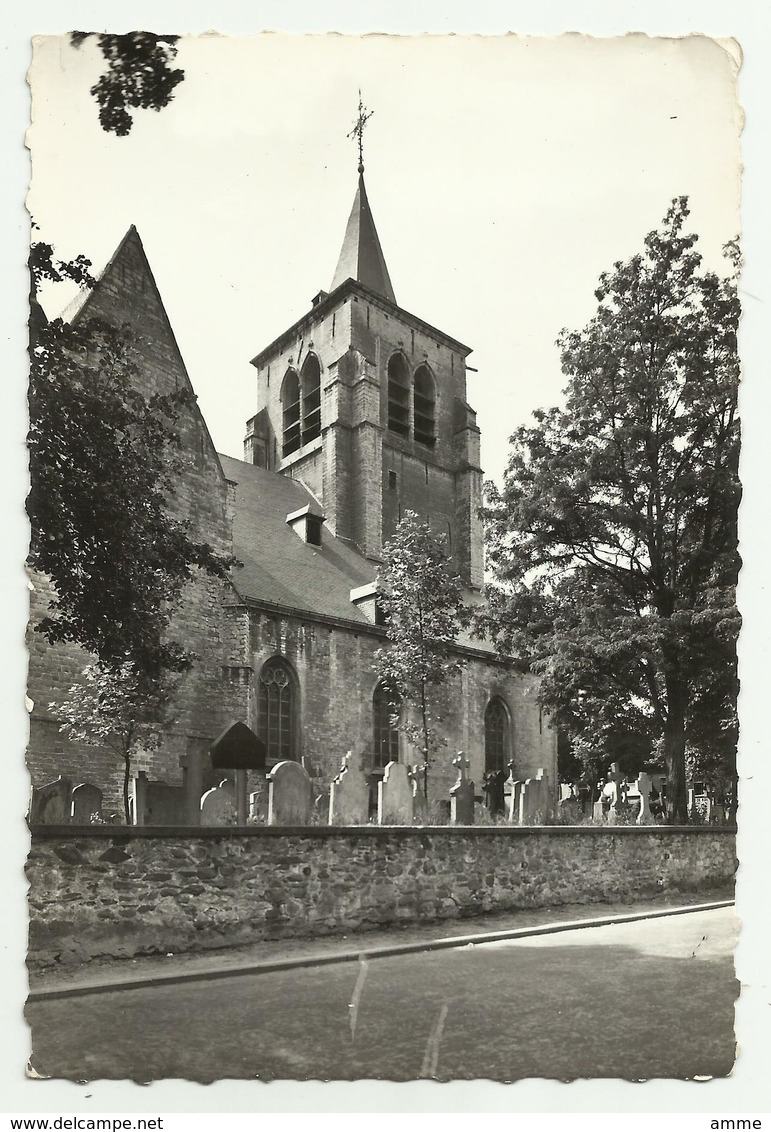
(97, 892)
(207, 621)
(336, 682)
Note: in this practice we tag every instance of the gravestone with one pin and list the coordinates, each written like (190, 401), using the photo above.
(512, 788)
(218, 805)
(419, 800)
(644, 784)
(600, 806)
(515, 800)
(193, 764)
(535, 803)
(615, 790)
(349, 794)
(462, 794)
(394, 796)
(157, 803)
(493, 790)
(570, 807)
(86, 802)
(290, 795)
(51, 803)
(165, 804)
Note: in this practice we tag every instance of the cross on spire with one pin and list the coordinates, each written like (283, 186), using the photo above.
(358, 130)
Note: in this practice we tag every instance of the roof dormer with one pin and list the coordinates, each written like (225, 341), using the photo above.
(306, 523)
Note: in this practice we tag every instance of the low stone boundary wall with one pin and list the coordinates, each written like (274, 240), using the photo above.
(103, 891)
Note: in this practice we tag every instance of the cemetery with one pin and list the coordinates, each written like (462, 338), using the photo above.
(272, 853)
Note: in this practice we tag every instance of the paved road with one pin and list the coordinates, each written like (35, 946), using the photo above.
(648, 999)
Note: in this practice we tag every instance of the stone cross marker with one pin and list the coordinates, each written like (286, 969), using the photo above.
(51, 803)
(86, 801)
(462, 763)
(394, 796)
(349, 794)
(644, 784)
(218, 806)
(419, 801)
(462, 794)
(290, 795)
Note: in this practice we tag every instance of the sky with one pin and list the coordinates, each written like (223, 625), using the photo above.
(504, 175)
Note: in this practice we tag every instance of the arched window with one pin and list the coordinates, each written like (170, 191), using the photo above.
(278, 705)
(398, 395)
(497, 743)
(311, 399)
(385, 707)
(425, 407)
(290, 403)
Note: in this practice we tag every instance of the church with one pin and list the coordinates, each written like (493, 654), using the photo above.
(360, 415)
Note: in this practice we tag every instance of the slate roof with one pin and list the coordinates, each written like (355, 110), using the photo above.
(278, 567)
(361, 256)
(281, 569)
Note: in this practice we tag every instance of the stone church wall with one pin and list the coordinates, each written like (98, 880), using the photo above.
(336, 682)
(207, 699)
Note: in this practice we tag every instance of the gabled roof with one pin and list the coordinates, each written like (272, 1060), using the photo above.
(361, 257)
(131, 250)
(278, 567)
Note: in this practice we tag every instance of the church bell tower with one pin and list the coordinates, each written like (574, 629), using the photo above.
(365, 403)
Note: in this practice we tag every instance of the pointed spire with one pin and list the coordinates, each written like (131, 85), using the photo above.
(361, 257)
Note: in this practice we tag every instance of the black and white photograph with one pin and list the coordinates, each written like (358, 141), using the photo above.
(384, 453)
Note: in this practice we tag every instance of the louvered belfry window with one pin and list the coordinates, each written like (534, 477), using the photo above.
(496, 736)
(425, 407)
(398, 395)
(311, 399)
(276, 694)
(290, 403)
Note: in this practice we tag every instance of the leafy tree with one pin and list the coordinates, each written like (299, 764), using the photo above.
(138, 75)
(118, 708)
(614, 537)
(422, 602)
(102, 466)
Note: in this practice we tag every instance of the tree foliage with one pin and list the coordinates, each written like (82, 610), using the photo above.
(614, 537)
(139, 75)
(119, 708)
(422, 601)
(103, 459)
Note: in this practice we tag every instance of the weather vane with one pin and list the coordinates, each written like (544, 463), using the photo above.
(358, 130)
